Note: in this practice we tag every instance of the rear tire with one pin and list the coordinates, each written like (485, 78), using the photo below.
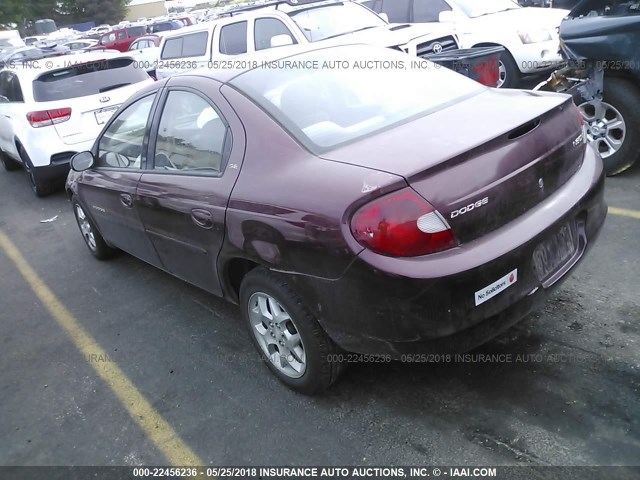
(8, 163)
(39, 187)
(310, 366)
(508, 71)
(92, 238)
(625, 100)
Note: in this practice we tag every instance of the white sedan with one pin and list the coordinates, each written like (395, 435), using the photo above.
(529, 35)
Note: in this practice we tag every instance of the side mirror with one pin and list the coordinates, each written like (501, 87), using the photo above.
(384, 16)
(82, 161)
(446, 17)
(281, 40)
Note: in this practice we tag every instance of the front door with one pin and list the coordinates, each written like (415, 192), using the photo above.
(108, 190)
(195, 155)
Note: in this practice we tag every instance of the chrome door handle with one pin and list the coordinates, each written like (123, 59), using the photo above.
(126, 200)
(202, 218)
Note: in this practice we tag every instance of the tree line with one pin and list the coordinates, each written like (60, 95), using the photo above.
(64, 12)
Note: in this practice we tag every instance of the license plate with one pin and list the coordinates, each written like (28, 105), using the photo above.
(555, 251)
(103, 116)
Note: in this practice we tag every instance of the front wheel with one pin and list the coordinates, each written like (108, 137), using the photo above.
(508, 72)
(614, 125)
(92, 238)
(291, 341)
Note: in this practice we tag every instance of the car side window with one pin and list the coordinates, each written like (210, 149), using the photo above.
(4, 85)
(121, 144)
(10, 87)
(373, 4)
(396, 10)
(267, 28)
(191, 135)
(233, 38)
(122, 35)
(429, 10)
(192, 45)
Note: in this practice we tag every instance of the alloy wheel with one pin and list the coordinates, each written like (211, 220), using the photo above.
(85, 228)
(277, 334)
(502, 74)
(606, 127)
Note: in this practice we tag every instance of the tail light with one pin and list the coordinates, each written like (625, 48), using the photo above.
(487, 72)
(44, 118)
(402, 224)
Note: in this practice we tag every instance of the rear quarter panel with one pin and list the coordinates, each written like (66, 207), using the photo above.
(289, 209)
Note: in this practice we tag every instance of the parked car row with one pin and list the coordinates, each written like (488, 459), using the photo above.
(277, 24)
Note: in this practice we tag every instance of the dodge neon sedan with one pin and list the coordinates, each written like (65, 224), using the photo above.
(385, 213)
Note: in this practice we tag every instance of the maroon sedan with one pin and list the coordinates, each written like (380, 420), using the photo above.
(385, 212)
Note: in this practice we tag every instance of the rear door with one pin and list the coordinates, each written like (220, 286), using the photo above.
(195, 157)
(107, 191)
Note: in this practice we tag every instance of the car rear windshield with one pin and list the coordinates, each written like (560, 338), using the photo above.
(331, 97)
(136, 31)
(86, 79)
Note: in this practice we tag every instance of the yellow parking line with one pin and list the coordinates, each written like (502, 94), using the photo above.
(157, 429)
(625, 212)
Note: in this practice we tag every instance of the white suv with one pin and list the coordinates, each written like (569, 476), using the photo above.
(528, 35)
(53, 108)
(294, 22)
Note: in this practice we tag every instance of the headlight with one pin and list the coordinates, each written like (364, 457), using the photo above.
(534, 36)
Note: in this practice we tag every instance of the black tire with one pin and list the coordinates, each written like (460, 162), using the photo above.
(320, 351)
(39, 187)
(8, 163)
(625, 97)
(101, 250)
(512, 72)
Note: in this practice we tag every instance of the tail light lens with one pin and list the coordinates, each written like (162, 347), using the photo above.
(44, 118)
(402, 224)
(487, 72)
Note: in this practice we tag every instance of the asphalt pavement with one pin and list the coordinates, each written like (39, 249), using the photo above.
(572, 398)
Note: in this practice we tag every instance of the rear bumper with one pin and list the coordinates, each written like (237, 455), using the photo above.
(395, 306)
(57, 169)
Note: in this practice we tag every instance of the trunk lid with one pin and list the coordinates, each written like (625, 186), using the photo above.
(484, 161)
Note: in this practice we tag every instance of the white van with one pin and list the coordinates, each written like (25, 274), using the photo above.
(289, 22)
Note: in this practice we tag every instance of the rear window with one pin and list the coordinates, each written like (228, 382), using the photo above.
(233, 39)
(324, 106)
(86, 79)
(192, 45)
(136, 31)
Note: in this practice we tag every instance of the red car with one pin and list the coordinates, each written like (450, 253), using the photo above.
(346, 211)
(121, 38)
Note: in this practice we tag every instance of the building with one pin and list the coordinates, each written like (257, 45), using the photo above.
(145, 8)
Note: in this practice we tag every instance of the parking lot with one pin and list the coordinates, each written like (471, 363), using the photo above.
(117, 363)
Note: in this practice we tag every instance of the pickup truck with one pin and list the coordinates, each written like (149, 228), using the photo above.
(287, 22)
